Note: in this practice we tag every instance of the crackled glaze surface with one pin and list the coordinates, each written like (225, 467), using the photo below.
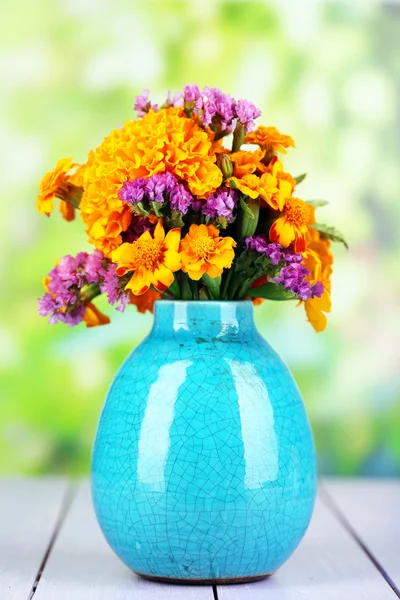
(203, 465)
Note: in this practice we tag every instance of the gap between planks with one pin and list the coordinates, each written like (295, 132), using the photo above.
(65, 506)
(329, 501)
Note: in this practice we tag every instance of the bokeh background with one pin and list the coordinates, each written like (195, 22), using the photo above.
(328, 74)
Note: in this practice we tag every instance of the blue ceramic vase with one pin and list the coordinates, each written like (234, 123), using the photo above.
(203, 468)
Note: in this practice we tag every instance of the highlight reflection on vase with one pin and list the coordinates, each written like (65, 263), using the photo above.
(203, 466)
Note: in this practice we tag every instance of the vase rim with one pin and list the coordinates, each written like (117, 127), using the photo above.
(202, 302)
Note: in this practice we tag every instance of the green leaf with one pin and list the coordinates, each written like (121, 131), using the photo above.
(185, 288)
(330, 233)
(140, 209)
(246, 208)
(213, 284)
(156, 207)
(300, 178)
(174, 220)
(270, 291)
(232, 184)
(317, 203)
(174, 289)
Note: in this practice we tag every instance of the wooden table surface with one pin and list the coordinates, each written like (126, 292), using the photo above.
(51, 548)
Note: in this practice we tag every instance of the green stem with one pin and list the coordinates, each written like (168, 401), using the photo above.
(238, 137)
(185, 288)
(244, 288)
(225, 283)
(89, 292)
(194, 286)
(174, 288)
(232, 287)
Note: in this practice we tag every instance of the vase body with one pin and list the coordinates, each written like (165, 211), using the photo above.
(203, 467)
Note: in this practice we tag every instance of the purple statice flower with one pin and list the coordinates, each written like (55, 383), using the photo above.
(67, 284)
(49, 306)
(275, 252)
(73, 317)
(132, 191)
(157, 188)
(293, 277)
(292, 274)
(112, 288)
(69, 272)
(137, 227)
(246, 112)
(143, 104)
(94, 267)
(180, 198)
(220, 107)
(55, 309)
(152, 188)
(158, 184)
(175, 101)
(221, 204)
(192, 95)
(197, 205)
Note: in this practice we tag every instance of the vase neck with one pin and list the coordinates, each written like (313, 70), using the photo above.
(204, 319)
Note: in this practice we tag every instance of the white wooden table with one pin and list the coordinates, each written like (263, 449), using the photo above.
(51, 548)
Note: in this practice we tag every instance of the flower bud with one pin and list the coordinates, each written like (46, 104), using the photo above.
(248, 219)
(226, 165)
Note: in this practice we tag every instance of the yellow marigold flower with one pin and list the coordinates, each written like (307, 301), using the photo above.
(153, 260)
(293, 224)
(270, 192)
(204, 251)
(246, 162)
(248, 185)
(316, 309)
(265, 187)
(161, 141)
(318, 259)
(269, 137)
(286, 183)
(93, 317)
(50, 187)
(145, 301)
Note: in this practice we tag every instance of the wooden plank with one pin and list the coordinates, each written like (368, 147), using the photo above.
(29, 510)
(83, 567)
(372, 509)
(328, 565)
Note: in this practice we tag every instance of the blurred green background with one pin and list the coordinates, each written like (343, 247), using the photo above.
(327, 74)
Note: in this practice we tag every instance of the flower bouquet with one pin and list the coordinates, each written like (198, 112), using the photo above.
(203, 467)
(174, 213)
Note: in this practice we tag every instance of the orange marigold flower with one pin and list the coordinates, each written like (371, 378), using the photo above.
(93, 317)
(145, 301)
(67, 210)
(76, 177)
(265, 187)
(246, 162)
(50, 188)
(269, 137)
(161, 141)
(293, 224)
(204, 251)
(153, 260)
(318, 259)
